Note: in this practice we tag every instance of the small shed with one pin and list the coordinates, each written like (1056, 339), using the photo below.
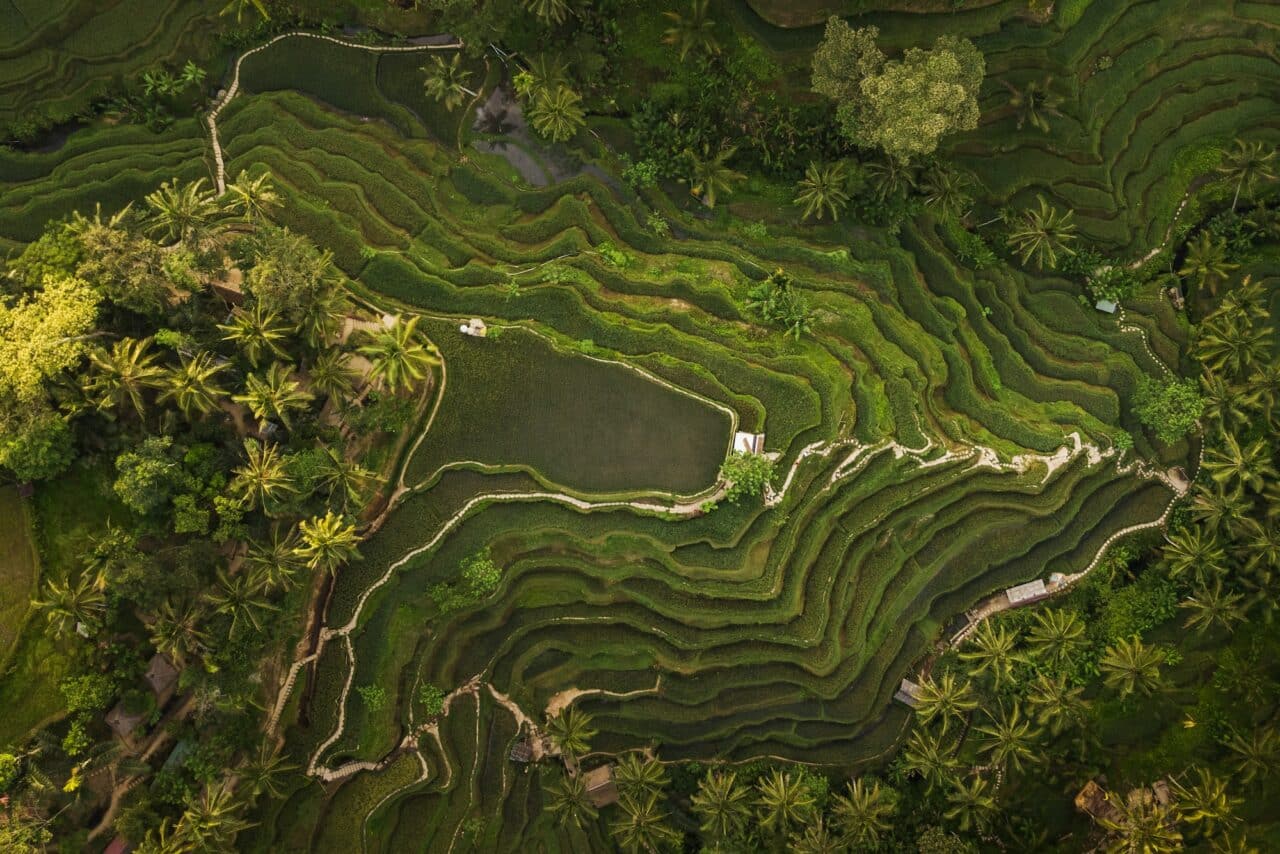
(230, 287)
(1094, 801)
(600, 786)
(119, 845)
(1106, 305)
(1023, 594)
(521, 751)
(162, 676)
(124, 723)
(475, 327)
(908, 693)
(748, 443)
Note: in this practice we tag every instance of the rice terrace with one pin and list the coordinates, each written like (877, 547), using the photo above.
(601, 425)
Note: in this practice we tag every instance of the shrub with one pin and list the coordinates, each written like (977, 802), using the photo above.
(641, 175)
(431, 698)
(1169, 408)
(374, 697)
(747, 474)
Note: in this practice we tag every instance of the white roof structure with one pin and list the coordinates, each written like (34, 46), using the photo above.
(1106, 305)
(908, 693)
(1029, 592)
(748, 443)
(475, 327)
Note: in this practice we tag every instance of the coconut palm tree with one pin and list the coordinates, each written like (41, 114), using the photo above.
(1247, 164)
(251, 197)
(164, 838)
(1010, 738)
(327, 542)
(643, 825)
(891, 177)
(1142, 825)
(1261, 545)
(276, 561)
(240, 597)
(547, 11)
(639, 774)
(398, 359)
(65, 605)
(1232, 343)
(567, 800)
(948, 191)
(320, 319)
(347, 481)
(1207, 263)
(1249, 466)
(862, 816)
(1205, 800)
(971, 804)
(257, 333)
(1257, 754)
(709, 174)
(694, 32)
(239, 6)
(1043, 233)
(266, 773)
(274, 395)
(992, 652)
(123, 374)
(557, 113)
(330, 375)
(1130, 665)
(783, 801)
(925, 755)
(1210, 606)
(1219, 509)
(193, 385)
(263, 479)
(1194, 551)
(815, 839)
(722, 805)
(1225, 406)
(211, 822)
(1056, 635)
(447, 81)
(571, 731)
(181, 212)
(945, 699)
(823, 189)
(1058, 705)
(1033, 103)
(176, 632)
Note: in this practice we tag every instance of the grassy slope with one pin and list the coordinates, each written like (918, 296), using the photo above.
(19, 571)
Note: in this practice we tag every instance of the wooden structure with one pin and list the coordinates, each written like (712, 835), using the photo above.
(162, 678)
(521, 751)
(908, 693)
(124, 723)
(601, 789)
(1094, 802)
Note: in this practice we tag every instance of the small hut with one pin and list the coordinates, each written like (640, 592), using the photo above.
(748, 443)
(601, 789)
(162, 677)
(1106, 306)
(908, 693)
(124, 723)
(475, 327)
(1025, 594)
(1093, 801)
(521, 751)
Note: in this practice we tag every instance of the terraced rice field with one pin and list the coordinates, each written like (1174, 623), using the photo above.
(941, 435)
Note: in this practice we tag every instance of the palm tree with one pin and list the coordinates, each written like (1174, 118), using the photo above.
(447, 81)
(164, 838)
(945, 699)
(274, 395)
(783, 801)
(1130, 665)
(1056, 635)
(257, 332)
(263, 479)
(398, 359)
(547, 11)
(709, 174)
(65, 605)
(320, 320)
(1207, 262)
(925, 755)
(1217, 508)
(638, 775)
(1225, 407)
(1058, 704)
(993, 651)
(1205, 801)
(266, 773)
(330, 375)
(1010, 738)
(1043, 233)
(815, 839)
(177, 633)
(1264, 391)
(240, 597)
(1250, 466)
(571, 731)
(238, 6)
(1143, 825)
(1256, 755)
(1247, 164)
(823, 189)
(346, 480)
(862, 816)
(211, 822)
(557, 113)
(1196, 551)
(721, 804)
(193, 385)
(891, 177)
(327, 542)
(1210, 606)
(568, 802)
(1231, 342)
(182, 212)
(1033, 102)
(694, 32)
(123, 374)
(252, 197)
(1261, 544)
(276, 561)
(948, 191)
(972, 806)
(643, 826)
